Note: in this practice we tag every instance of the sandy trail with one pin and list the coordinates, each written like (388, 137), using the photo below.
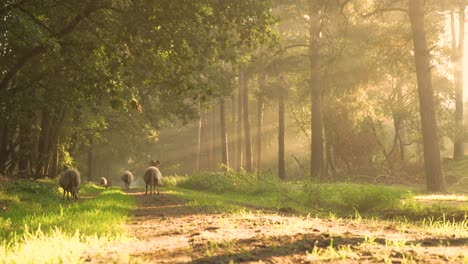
(167, 229)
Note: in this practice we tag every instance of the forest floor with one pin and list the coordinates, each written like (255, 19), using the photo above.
(168, 229)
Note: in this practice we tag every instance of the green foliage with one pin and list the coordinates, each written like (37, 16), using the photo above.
(116, 71)
(173, 181)
(230, 181)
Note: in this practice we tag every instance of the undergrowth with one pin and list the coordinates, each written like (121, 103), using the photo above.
(340, 199)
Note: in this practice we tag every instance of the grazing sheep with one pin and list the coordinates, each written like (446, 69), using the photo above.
(153, 178)
(103, 182)
(127, 178)
(69, 181)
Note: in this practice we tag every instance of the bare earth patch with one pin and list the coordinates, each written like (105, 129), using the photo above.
(167, 229)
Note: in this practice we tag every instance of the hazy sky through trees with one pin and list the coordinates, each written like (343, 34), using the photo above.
(446, 42)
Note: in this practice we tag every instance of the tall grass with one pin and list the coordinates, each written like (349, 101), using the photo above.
(230, 181)
(340, 199)
(35, 221)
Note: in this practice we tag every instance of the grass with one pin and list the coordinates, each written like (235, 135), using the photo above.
(37, 225)
(228, 191)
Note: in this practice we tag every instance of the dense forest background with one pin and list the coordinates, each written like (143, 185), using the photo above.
(347, 89)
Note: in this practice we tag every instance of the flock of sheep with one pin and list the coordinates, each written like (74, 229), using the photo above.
(70, 180)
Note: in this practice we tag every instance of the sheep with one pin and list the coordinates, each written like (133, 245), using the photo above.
(127, 178)
(152, 177)
(103, 182)
(69, 181)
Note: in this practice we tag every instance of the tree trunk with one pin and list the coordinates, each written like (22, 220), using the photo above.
(239, 137)
(248, 141)
(281, 162)
(205, 140)
(54, 163)
(224, 139)
(89, 175)
(42, 144)
(199, 137)
(316, 160)
(24, 147)
(214, 135)
(400, 122)
(261, 85)
(3, 146)
(53, 140)
(458, 149)
(435, 181)
(233, 140)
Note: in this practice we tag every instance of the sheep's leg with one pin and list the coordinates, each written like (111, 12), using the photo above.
(75, 194)
(157, 186)
(63, 194)
(146, 193)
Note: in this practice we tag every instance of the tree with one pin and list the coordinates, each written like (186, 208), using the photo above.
(281, 149)
(458, 150)
(199, 137)
(260, 106)
(433, 167)
(316, 145)
(240, 112)
(224, 137)
(141, 59)
(243, 79)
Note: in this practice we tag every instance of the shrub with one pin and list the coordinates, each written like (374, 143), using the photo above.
(229, 181)
(350, 197)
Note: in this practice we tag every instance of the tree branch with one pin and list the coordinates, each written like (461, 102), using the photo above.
(88, 10)
(37, 21)
(9, 7)
(382, 10)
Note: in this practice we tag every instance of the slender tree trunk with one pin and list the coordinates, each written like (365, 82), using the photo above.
(210, 142)
(281, 161)
(233, 132)
(330, 163)
(214, 135)
(224, 139)
(205, 141)
(199, 136)
(458, 149)
(435, 181)
(44, 136)
(400, 122)
(54, 163)
(25, 144)
(54, 132)
(261, 85)
(239, 137)
(90, 159)
(316, 161)
(248, 141)
(3, 145)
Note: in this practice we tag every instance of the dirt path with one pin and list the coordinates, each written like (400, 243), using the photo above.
(169, 230)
